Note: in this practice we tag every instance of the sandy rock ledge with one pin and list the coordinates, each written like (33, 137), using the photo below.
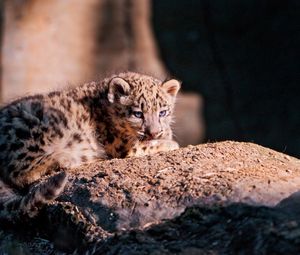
(140, 204)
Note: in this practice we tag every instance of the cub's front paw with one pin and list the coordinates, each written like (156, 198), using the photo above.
(152, 147)
(163, 145)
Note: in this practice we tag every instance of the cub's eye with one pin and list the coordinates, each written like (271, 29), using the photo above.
(162, 113)
(138, 114)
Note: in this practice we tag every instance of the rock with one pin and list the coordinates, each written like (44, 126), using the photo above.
(189, 119)
(45, 45)
(241, 58)
(180, 201)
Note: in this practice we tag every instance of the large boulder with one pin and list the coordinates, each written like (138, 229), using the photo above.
(185, 198)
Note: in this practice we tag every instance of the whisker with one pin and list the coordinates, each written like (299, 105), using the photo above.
(175, 136)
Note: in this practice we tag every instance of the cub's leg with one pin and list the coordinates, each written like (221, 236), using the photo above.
(151, 147)
(24, 174)
(14, 206)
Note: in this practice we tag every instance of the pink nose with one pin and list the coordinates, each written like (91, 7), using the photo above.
(155, 134)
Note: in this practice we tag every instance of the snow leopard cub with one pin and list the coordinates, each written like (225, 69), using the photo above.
(128, 114)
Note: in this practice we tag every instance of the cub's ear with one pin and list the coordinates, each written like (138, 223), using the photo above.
(171, 87)
(117, 89)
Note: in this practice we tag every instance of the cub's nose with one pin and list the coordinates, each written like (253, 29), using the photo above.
(154, 134)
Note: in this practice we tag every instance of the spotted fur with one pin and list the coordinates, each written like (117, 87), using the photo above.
(128, 114)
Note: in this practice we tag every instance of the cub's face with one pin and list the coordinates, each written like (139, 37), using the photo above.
(145, 105)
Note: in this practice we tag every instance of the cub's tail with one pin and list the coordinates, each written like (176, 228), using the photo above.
(14, 207)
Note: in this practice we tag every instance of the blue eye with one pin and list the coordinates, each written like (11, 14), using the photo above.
(162, 113)
(138, 114)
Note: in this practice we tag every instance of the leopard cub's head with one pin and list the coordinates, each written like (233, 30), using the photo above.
(144, 104)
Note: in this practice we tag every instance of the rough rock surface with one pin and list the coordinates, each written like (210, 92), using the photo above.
(138, 205)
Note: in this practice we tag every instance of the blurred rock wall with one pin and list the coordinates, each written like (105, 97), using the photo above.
(52, 43)
(47, 44)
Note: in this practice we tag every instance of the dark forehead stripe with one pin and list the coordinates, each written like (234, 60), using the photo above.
(142, 102)
(142, 106)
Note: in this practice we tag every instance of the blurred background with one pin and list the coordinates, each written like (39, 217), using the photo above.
(238, 60)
